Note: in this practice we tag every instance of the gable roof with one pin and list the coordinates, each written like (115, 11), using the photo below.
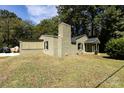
(73, 39)
(93, 40)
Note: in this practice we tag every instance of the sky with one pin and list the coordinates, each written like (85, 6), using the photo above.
(35, 13)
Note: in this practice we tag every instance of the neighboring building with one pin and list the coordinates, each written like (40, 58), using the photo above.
(63, 44)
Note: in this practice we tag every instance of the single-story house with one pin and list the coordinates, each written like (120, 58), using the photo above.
(63, 44)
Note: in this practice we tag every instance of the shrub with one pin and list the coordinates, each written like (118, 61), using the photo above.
(115, 48)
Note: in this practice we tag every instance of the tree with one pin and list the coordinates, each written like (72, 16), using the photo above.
(13, 29)
(111, 21)
(80, 17)
(48, 26)
(8, 21)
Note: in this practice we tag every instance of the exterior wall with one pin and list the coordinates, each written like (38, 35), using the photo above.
(50, 50)
(66, 48)
(30, 45)
(52, 46)
(72, 49)
(55, 46)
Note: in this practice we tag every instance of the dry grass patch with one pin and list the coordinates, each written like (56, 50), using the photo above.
(34, 69)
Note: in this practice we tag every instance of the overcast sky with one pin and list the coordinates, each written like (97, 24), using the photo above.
(35, 13)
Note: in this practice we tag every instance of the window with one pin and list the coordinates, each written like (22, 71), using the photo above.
(46, 45)
(79, 46)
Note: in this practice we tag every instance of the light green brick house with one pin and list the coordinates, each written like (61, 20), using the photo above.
(63, 45)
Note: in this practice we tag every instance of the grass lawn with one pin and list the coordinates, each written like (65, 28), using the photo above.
(34, 69)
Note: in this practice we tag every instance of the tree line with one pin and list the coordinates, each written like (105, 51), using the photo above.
(104, 22)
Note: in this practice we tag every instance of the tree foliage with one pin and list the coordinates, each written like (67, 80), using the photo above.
(82, 18)
(115, 48)
(8, 22)
(110, 21)
(13, 29)
(48, 26)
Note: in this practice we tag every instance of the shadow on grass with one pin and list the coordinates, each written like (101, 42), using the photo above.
(108, 57)
(112, 74)
(98, 85)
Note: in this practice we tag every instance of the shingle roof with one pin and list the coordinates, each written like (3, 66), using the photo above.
(93, 40)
